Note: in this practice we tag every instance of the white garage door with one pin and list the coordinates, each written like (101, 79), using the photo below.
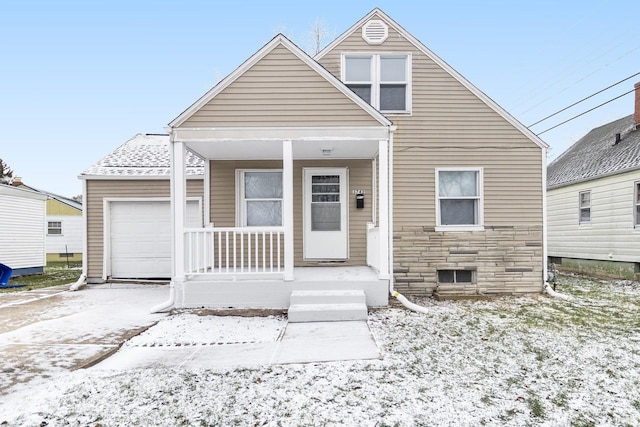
(141, 238)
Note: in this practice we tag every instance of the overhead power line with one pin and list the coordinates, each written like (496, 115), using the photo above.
(585, 112)
(582, 100)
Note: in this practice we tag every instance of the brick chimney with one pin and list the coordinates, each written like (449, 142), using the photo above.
(17, 181)
(636, 113)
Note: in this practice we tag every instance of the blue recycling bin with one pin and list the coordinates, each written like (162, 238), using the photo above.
(5, 275)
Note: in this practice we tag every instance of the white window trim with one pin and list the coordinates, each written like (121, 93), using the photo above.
(466, 227)
(55, 235)
(580, 222)
(375, 77)
(241, 206)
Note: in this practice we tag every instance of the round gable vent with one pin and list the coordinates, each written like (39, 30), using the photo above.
(375, 32)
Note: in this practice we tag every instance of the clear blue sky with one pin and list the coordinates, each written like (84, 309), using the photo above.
(79, 78)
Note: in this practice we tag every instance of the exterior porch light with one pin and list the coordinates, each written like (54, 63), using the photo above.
(326, 151)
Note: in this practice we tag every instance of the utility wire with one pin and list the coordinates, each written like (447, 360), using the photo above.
(583, 113)
(582, 100)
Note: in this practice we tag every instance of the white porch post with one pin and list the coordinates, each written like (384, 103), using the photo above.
(178, 207)
(383, 197)
(287, 207)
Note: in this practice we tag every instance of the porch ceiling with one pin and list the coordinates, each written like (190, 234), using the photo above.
(266, 143)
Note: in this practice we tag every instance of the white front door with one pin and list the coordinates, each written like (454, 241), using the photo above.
(325, 214)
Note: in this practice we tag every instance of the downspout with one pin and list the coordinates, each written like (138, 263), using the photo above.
(397, 295)
(83, 277)
(164, 306)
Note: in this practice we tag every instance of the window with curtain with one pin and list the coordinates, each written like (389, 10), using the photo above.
(459, 197)
(261, 198)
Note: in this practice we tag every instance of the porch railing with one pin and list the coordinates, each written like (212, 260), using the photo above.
(234, 250)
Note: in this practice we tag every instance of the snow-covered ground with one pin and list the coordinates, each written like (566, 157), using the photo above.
(513, 361)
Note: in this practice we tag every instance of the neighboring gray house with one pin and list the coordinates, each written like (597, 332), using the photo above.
(22, 230)
(593, 201)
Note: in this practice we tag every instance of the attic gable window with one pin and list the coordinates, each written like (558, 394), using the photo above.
(382, 80)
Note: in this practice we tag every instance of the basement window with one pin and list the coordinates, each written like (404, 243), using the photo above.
(456, 276)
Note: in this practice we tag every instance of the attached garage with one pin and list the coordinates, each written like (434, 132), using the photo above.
(140, 237)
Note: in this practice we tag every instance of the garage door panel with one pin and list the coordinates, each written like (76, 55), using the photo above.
(141, 238)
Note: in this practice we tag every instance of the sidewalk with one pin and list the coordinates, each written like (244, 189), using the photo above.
(300, 343)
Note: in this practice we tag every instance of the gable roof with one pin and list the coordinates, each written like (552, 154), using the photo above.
(597, 155)
(17, 183)
(144, 155)
(280, 41)
(379, 14)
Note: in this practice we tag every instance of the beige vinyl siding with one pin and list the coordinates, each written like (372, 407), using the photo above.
(611, 230)
(451, 127)
(98, 190)
(280, 90)
(223, 199)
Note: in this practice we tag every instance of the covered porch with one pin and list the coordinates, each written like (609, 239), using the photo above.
(321, 237)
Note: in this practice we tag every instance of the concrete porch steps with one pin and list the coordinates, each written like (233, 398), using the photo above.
(327, 306)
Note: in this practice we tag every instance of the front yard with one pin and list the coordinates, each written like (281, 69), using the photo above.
(512, 361)
(55, 273)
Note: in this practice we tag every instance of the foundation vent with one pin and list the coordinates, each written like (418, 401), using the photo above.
(375, 32)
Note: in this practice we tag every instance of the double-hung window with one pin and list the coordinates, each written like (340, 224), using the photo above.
(260, 198)
(459, 198)
(584, 200)
(54, 228)
(382, 80)
(636, 204)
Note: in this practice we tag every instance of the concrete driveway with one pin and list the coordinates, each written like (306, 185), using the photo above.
(53, 330)
(47, 332)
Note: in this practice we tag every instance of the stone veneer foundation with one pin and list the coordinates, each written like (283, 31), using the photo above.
(507, 260)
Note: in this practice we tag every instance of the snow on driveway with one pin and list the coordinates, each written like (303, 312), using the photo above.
(49, 332)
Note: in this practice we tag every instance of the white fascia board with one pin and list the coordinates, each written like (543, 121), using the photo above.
(22, 192)
(435, 58)
(203, 134)
(276, 41)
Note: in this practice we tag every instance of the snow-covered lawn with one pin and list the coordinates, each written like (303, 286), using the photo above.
(513, 361)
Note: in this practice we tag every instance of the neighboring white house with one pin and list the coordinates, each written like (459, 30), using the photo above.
(593, 200)
(64, 226)
(22, 230)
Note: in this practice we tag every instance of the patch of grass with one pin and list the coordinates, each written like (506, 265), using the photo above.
(535, 406)
(55, 273)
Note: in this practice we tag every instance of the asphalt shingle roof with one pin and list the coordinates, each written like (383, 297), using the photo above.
(596, 154)
(143, 155)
